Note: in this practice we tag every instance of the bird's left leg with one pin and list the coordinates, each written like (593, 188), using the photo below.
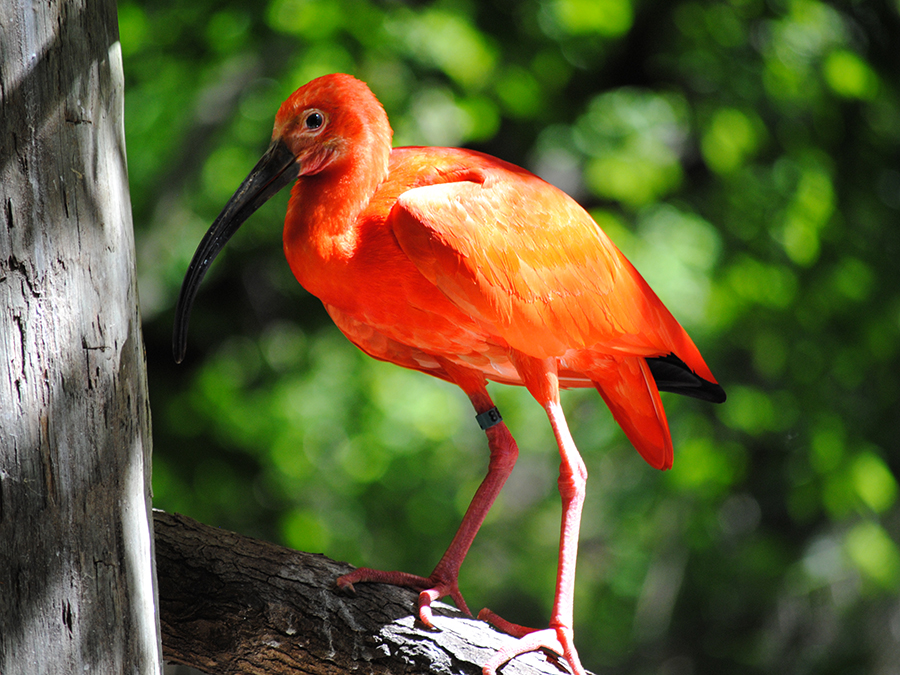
(540, 377)
(444, 579)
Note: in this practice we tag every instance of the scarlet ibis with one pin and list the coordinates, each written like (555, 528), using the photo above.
(467, 268)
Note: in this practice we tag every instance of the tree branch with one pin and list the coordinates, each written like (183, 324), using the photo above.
(231, 604)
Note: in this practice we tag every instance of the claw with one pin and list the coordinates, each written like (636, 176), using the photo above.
(430, 589)
(425, 600)
(345, 585)
(532, 642)
(557, 640)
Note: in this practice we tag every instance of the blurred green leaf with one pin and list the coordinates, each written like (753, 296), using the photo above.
(731, 138)
(874, 482)
(875, 554)
(610, 18)
(848, 75)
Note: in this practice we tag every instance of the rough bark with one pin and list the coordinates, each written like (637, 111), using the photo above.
(230, 604)
(76, 576)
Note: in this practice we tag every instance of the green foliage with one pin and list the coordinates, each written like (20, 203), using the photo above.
(743, 154)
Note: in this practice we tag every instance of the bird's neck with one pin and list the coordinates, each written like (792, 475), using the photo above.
(321, 228)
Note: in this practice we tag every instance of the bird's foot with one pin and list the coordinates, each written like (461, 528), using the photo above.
(430, 588)
(557, 639)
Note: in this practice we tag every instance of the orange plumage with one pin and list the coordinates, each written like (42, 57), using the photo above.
(467, 268)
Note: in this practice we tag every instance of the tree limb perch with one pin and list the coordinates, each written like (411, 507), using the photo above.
(232, 604)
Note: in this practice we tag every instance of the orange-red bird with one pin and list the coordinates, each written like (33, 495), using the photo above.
(470, 269)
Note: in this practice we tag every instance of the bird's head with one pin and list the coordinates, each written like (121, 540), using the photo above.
(331, 120)
(330, 123)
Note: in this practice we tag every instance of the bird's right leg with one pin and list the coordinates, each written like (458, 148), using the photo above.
(443, 580)
(541, 378)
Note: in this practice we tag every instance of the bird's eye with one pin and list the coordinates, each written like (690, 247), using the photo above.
(314, 120)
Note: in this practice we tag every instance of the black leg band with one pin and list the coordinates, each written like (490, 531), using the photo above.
(488, 418)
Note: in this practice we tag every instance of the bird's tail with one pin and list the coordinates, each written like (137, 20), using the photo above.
(631, 393)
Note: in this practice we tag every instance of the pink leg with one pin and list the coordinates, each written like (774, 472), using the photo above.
(444, 579)
(540, 378)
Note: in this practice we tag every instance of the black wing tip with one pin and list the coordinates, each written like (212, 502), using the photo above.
(715, 393)
(673, 375)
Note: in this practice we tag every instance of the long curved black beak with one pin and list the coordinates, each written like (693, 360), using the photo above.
(277, 169)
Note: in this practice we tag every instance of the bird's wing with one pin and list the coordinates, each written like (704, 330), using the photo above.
(520, 255)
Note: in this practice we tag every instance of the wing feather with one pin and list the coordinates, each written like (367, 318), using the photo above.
(520, 255)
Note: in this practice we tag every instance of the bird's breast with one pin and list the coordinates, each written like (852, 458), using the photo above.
(380, 300)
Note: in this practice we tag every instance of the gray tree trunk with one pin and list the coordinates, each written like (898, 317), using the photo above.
(77, 588)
